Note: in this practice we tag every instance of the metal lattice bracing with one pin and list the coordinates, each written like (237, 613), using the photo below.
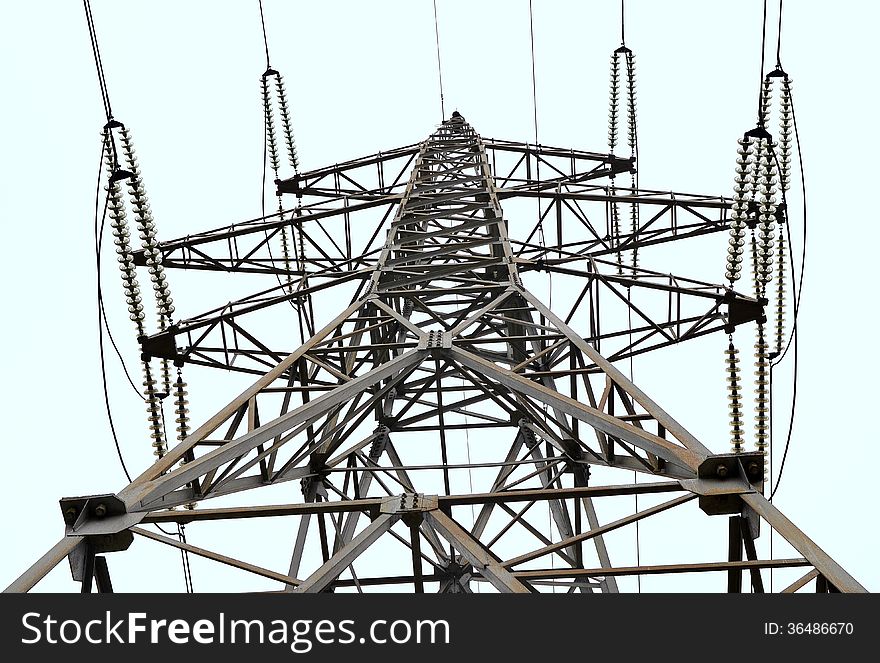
(441, 338)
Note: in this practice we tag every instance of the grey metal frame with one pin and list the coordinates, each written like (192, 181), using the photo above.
(440, 322)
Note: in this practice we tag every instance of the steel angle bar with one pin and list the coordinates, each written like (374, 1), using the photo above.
(482, 560)
(175, 454)
(26, 581)
(800, 582)
(337, 563)
(831, 570)
(660, 569)
(601, 421)
(154, 490)
(687, 439)
(599, 530)
(223, 559)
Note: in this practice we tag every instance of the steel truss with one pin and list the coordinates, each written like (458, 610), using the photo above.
(442, 337)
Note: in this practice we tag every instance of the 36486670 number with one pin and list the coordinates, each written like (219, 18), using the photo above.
(819, 628)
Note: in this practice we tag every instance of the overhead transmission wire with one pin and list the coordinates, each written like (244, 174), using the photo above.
(793, 339)
(439, 66)
(100, 299)
(614, 110)
(541, 236)
(270, 153)
(634, 147)
(110, 154)
(797, 281)
(457, 299)
(98, 227)
(757, 166)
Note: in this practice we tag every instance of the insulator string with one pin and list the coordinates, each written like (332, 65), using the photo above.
(762, 384)
(98, 229)
(734, 396)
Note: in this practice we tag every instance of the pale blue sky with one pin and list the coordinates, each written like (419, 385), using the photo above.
(361, 78)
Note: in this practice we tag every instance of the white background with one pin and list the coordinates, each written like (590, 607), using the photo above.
(362, 77)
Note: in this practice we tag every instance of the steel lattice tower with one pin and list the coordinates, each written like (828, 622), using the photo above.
(441, 338)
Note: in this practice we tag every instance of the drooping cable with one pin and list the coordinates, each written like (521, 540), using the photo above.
(114, 202)
(102, 309)
(184, 559)
(798, 295)
(99, 224)
(130, 284)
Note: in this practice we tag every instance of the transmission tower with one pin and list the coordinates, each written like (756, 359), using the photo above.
(442, 348)
(440, 343)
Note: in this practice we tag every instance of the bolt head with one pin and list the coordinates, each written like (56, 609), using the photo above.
(721, 471)
(101, 510)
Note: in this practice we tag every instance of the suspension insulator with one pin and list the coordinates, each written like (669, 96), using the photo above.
(634, 226)
(786, 125)
(286, 124)
(766, 217)
(271, 140)
(614, 101)
(121, 235)
(756, 282)
(632, 138)
(301, 248)
(285, 247)
(780, 291)
(154, 412)
(734, 397)
(147, 231)
(742, 189)
(180, 409)
(766, 101)
(164, 364)
(762, 390)
(615, 231)
(182, 418)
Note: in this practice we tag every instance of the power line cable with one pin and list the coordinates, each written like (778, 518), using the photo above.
(265, 39)
(794, 333)
(439, 67)
(761, 73)
(534, 85)
(99, 66)
(99, 222)
(779, 37)
(98, 226)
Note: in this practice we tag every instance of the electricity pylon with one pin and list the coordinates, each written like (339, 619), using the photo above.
(442, 343)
